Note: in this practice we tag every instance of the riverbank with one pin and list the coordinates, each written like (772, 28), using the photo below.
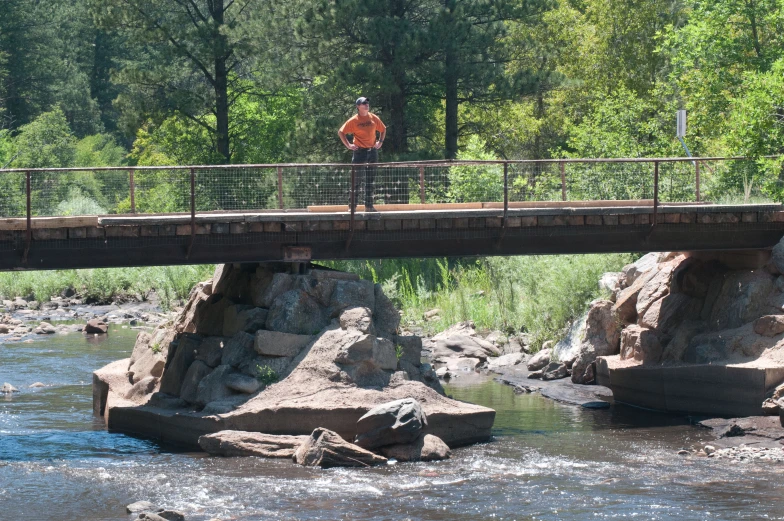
(167, 286)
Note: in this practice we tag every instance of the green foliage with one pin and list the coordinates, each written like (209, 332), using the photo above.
(79, 204)
(45, 142)
(172, 283)
(475, 183)
(266, 375)
(98, 150)
(537, 294)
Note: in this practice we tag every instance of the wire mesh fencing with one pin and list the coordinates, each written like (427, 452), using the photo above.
(241, 188)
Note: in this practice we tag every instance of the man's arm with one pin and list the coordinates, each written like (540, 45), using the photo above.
(344, 139)
(381, 137)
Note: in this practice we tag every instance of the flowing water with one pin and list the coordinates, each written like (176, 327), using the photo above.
(546, 461)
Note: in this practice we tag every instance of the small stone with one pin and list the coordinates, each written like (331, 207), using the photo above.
(36, 384)
(140, 506)
(709, 449)
(96, 326)
(428, 315)
(683, 452)
(45, 328)
(8, 389)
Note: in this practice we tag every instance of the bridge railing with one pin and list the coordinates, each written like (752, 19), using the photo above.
(238, 188)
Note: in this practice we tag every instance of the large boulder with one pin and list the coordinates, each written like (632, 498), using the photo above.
(275, 343)
(742, 298)
(769, 325)
(386, 317)
(496, 364)
(644, 264)
(241, 443)
(238, 350)
(210, 351)
(352, 294)
(601, 337)
(459, 344)
(539, 360)
(242, 317)
(425, 448)
(181, 357)
(296, 312)
(357, 318)
(267, 290)
(410, 349)
(96, 326)
(641, 344)
(668, 312)
(325, 448)
(392, 423)
(193, 377)
(147, 359)
(214, 386)
(142, 389)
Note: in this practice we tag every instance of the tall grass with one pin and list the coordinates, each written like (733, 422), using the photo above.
(537, 294)
(171, 283)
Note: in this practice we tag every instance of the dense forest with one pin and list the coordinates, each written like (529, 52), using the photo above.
(152, 82)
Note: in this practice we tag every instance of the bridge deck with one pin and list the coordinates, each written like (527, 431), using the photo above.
(416, 230)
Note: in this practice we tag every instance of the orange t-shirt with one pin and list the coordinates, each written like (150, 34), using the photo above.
(364, 129)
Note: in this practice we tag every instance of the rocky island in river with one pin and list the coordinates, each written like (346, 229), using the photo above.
(311, 363)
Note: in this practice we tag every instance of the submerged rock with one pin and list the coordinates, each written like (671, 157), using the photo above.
(96, 326)
(425, 448)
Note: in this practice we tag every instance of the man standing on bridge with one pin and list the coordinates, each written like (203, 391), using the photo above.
(364, 126)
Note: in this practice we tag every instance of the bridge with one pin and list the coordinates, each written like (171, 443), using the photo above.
(137, 216)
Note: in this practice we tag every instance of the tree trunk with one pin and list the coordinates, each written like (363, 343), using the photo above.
(451, 76)
(221, 84)
(222, 109)
(452, 104)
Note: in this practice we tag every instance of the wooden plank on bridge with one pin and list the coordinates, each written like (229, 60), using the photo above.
(38, 223)
(398, 207)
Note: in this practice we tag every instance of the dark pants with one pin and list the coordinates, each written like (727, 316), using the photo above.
(365, 156)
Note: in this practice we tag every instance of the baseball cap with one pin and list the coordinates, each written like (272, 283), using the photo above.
(362, 101)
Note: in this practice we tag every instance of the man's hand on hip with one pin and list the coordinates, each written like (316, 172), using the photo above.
(378, 144)
(352, 146)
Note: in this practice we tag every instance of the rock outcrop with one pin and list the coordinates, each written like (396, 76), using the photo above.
(259, 349)
(676, 326)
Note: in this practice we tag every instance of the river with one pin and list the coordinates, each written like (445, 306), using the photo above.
(546, 461)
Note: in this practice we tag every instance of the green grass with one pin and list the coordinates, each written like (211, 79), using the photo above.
(537, 294)
(171, 283)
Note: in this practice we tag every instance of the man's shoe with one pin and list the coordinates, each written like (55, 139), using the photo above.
(370, 208)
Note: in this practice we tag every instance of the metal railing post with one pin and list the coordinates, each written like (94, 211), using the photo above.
(422, 184)
(133, 191)
(506, 190)
(29, 234)
(193, 213)
(563, 180)
(655, 192)
(697, 178)
(351, 205)
(280, 187)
